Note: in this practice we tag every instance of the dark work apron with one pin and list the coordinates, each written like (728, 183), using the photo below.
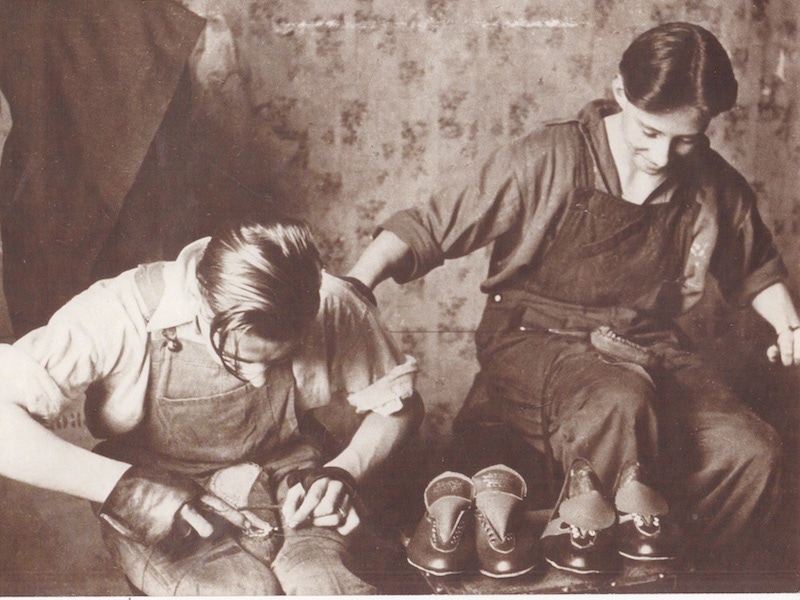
(610, 253)
(609, 262)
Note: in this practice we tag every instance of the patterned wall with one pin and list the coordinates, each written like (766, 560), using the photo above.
(342, 111)
(346, 110)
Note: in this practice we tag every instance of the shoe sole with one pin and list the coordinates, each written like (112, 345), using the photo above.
(436, 573)
(505, 575)
(573, 570)
(645, 558)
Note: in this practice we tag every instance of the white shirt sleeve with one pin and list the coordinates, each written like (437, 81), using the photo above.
(349, 355)
(98, 335)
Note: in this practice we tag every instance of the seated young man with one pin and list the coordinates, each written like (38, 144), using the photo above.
(605, 228)
(199, 371)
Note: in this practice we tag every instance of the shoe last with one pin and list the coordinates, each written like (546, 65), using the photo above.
(506, 546)
(443, 543)
(580, 534)
(644, 531)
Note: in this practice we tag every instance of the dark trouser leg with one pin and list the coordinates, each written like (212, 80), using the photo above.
(722, 462)
(602, 412)
(315, 561)
(558, 390)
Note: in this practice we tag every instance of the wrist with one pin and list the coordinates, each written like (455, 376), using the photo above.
(350, 461)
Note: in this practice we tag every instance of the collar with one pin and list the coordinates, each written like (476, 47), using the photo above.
(593, 128)
(180, 302)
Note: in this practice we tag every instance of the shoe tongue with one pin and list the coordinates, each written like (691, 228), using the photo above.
(497, 508)
(635, 497)
(446, 512)
(588, 511)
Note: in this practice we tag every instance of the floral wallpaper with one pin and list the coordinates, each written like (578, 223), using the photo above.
(344, 111)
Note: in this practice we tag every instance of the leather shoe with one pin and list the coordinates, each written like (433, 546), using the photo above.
(580, 534)
(642, 533)
(506, 546)
(443, 542)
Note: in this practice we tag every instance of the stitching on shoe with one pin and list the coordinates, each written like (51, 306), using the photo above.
(492, 535)
(452, 544)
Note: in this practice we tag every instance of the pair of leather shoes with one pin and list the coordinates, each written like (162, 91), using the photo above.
(588, 534)
(474, 524)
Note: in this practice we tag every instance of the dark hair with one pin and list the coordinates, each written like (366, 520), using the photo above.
(676, 65)
(262, 277)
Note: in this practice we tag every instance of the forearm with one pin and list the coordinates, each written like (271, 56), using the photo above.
(775, 305)
(385, 257)
(32, 454)
(377, 437)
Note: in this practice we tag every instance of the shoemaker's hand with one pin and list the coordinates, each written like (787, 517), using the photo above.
(320, 501)
(148, 505)
(786, 348)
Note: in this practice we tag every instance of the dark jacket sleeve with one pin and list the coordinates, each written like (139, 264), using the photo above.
(745, 260)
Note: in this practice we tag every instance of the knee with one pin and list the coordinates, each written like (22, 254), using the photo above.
(750, 444)
(222, 578)
(622, 401)
(306, 564)
(315, 562)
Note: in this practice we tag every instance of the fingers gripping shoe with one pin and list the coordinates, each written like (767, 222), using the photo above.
(580, 534)
(644, 532)
(506, 546)
(443, 542)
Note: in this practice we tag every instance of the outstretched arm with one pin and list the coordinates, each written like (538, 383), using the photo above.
(775, 305)
(32, 454)
(387, 256)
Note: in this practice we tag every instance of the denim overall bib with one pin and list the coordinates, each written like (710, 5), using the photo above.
(200, 419)
(605, 263)
(618, 264)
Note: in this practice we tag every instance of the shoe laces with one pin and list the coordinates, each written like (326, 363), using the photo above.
(454, 538)
(647, 524)
(582, 537)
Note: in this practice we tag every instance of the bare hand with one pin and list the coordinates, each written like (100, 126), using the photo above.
(325, 504)
(786, 348)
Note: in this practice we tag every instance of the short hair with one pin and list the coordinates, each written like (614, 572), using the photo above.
(676, 65)
(262, 277)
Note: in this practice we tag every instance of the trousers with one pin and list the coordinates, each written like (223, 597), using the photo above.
(714, 460)
(311, 561)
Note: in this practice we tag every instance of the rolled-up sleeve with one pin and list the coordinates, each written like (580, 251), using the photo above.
(350, 356)
(463, 217)
(97, 336)
(746, 260)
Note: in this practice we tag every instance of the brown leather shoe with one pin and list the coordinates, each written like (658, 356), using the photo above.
(580, 534)
(644, 531)
(443, 542)
(506, 546)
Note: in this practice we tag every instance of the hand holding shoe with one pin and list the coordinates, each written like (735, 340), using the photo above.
(323, 497)
(147, 504)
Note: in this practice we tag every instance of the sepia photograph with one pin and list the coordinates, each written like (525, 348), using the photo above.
(399, 297)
